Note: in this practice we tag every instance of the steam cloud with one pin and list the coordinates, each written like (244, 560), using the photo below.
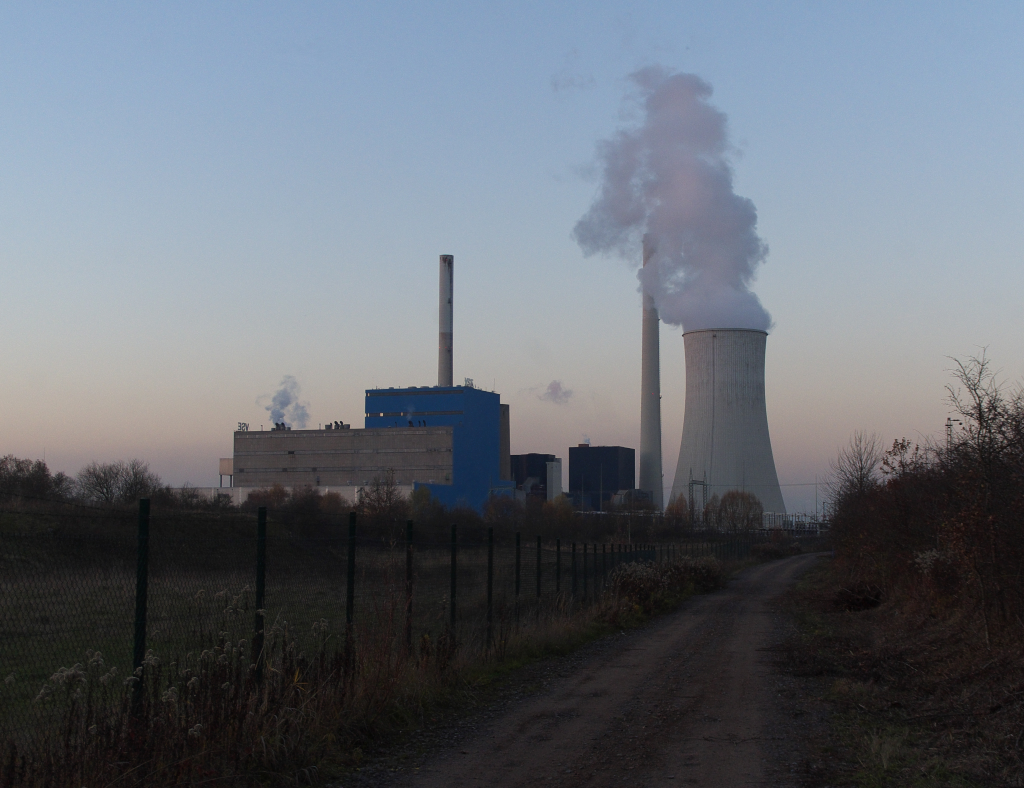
(669, 178)
(556, 393)
(284, 404)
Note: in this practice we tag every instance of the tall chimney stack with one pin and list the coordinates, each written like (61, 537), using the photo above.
(650, 399)
(444, 345)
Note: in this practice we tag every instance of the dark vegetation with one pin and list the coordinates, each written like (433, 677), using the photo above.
(198, 714)
(918, 622)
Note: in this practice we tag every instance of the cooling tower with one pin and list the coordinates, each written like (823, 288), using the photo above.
(650, 400)
(725, 422)
(444, 344)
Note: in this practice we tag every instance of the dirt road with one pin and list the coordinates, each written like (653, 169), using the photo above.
(690, 700)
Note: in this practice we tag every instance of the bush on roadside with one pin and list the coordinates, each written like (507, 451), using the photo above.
(652, 587)
(937, 529)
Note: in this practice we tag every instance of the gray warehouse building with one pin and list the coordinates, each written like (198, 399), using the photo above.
(348, 459)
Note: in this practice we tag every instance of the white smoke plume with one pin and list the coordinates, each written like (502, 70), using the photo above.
(556, 393)
(284, 406)
(670, 178)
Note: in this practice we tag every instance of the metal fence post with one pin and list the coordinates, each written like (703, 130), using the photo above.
(558, 566)
(574, 569)
(350, 591)
(584, 571)
(538, 571)
(518, 564)
(490, 584)
(141, 603)
(408, 586)
(604, 564)
(518, 567)
(259, 639)
(454, 588)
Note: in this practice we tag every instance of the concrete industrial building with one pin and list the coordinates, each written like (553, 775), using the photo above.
(336, 459)
(725, 444)
(597, 473)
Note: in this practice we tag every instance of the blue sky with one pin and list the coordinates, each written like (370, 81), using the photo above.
(199, 198)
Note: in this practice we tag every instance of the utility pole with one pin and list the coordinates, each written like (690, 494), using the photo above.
(949, 432)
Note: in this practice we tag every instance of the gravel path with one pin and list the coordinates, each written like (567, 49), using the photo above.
(692, 699)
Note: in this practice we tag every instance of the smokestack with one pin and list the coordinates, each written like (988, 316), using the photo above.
(650, 398)
(444, 345)
(725, 422)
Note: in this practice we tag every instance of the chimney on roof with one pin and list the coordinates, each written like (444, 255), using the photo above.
(444, 347)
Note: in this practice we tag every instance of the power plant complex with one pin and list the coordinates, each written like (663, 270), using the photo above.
(456, 440)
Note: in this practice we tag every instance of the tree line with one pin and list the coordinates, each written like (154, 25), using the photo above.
(941, 526)
(119, 483)
(383, 509)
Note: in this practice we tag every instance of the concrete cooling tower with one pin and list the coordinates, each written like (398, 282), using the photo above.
(725, 422)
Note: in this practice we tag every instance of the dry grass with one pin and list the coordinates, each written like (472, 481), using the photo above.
(917, 701)
(203, 716)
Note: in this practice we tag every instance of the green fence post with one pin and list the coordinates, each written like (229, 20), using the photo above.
(538, 569)
(454, 588)
(490, 584)
(141, 603)
(518, 564)
(574, 569)
(408, 586)
(558, 565)
(584, 571)
(350, 592)
(259, 639)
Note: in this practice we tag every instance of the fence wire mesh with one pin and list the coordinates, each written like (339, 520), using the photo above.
(69, 582)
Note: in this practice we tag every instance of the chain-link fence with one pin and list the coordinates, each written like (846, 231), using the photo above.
(114, 594)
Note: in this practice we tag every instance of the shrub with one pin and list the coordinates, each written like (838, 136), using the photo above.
(651, 587)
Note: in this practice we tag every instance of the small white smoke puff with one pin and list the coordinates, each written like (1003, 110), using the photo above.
(669, 178)
(284, 406)
(556, 393)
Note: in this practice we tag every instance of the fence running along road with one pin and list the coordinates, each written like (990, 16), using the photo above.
(107, 588)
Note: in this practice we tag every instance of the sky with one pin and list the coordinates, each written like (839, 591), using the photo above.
(198, 199)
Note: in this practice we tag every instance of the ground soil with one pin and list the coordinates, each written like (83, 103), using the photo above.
(696, 697)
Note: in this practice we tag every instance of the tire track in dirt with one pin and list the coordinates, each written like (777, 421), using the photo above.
(689, 701)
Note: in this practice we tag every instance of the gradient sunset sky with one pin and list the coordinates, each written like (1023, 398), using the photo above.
(197, 199)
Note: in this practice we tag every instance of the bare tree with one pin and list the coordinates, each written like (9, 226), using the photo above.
(855, 469)
(383, 503)
(740, 511)
(985, 410)
(32, 479)
(117, 482)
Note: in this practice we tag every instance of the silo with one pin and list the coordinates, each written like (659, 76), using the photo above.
(725, 421)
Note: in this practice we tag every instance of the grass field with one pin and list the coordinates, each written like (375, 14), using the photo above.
(67, 618)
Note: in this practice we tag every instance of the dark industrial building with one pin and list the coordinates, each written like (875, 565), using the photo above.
(530, 472)
(596, 473)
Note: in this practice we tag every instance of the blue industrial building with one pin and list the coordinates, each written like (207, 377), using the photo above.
(480, 436)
